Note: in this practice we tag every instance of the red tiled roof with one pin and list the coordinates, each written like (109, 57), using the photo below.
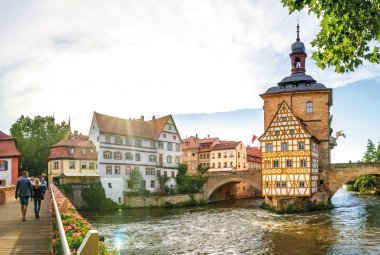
(190, 143)
(253, 154)
(226, 145)
(61, 149)
(138, 128)
(207, 140)
(8, 146)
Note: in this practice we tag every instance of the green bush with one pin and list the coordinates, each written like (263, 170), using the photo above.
(95, 198)
(365, 184)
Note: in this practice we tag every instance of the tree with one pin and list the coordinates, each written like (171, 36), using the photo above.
(370, 154)
(135, 180)
(202, 169)
(162, 179)
(34, 139)
(350, 31)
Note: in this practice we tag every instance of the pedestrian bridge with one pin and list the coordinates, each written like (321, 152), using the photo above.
(340, 174)
(233, 185)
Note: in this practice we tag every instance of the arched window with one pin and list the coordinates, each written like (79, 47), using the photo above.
(297, 63)
(309, 107)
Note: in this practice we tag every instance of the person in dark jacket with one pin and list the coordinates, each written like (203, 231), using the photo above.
(24, 190)
(38, 195)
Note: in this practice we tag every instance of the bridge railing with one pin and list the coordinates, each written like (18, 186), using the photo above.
(89, 244)
(216, 173)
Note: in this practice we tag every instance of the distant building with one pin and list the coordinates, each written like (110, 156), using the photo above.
(153, 147)
(228, 156)
(253, 158)
(190, 157)
(295, 145)
(205, 147)
(9, 156)
(73, 161)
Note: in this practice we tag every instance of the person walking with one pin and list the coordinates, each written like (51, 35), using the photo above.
(43, 184)
(24, 190)
(38, 195)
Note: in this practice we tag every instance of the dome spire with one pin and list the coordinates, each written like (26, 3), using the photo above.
(298, 31)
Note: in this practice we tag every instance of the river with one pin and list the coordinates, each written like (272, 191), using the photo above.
(242, 227)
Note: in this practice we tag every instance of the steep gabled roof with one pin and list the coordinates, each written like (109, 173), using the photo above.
(137, 128)
(8, 146)
(291, 119)
(61, 149)
(190, 143)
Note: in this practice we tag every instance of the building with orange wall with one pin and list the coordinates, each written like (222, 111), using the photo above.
(9, 156)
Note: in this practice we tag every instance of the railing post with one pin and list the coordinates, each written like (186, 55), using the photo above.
(89, 244)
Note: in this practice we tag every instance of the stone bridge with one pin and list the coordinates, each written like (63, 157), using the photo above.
(233, 185)
(340, 174)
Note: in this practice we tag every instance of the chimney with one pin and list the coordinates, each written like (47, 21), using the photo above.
(196, 136)
(142, 117)
(208, 136)
(75, 132)
(153, 118)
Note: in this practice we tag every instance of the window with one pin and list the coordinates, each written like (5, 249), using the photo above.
(288, 163)
(128, 141)
(284, 118)
(219, 165)
(266, 184)
(160, 159)
(118, 140)
(160, 144)
(83, 151)
(177, 159)
(152, 184)
(301, 184)
(174, 137)
(117, 155)
(225, 164)
(268, 147)
(291, 131)
(108, 169)
(278, 184)
(225, 154)
(150, 171)
(219, 155)
(170, 127)
(277, 133)
(158, 173)
(117, 169)
(138, 143)
(303, 163)
(108, 139)
(309, 107)
(56, 165)
(129, 156)
(177, 147)
(164, 135)
(91, 165)
(137, 156)
(275, 163)
(169, 159)
(201, 156)
(170, 146)
(110, 185)
(127, 169)
(193, 153)
(72, 150)
(165, 173)
(173, 174)
(301, 145)
(213, 164)
(283, 184)
(152, 158)
(107, 154)
(238, 154)
(284, 146)
(72, 165)
(84, 165)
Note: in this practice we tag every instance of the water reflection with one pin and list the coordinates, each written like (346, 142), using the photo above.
(242, 227)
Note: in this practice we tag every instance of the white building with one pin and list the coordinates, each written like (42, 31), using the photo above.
(153, 147)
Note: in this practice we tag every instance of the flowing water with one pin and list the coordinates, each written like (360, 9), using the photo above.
(242, 227)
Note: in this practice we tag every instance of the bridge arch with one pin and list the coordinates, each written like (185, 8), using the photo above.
(340, 174)
(227, 185)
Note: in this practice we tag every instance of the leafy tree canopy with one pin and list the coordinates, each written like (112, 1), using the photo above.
(350, 31)
(135, 181)
(372, 154)
(34, 139)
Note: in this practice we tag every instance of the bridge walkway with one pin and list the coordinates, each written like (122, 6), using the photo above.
(35, 236)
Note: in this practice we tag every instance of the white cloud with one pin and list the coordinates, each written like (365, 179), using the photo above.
(127, 58)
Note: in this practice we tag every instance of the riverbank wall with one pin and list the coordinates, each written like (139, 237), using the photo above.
(164, 201)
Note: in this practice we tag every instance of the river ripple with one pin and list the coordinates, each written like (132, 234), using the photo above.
(242, 227)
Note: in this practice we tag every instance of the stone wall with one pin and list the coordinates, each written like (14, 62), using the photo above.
(7, 194)
(340, 174)
(156, 201)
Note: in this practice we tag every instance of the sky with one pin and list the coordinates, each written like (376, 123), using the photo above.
(204, 62)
